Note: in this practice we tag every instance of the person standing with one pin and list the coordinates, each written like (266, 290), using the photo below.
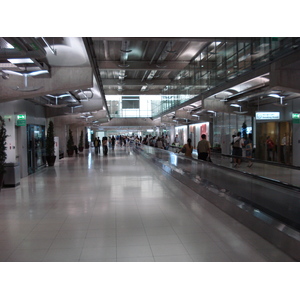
(249, 149)
(99, 144)
(188, 148)
(104, 145)
(96, 145)
(167, 142)
(233, 136)
(113, 142)
(270, 148)
(159, 143)
(237, 150)
(203, 148)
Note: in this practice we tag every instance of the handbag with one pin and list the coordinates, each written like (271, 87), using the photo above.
(183, 150)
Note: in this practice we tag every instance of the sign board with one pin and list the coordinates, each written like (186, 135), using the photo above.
(296, 118)
(263, 115)
(21, 120)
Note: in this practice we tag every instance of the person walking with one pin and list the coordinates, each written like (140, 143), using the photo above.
(203, 148)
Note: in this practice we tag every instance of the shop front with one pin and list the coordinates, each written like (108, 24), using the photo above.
(196, 130)
(274, 138)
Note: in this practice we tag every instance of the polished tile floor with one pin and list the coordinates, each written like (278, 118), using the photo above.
(118, 208)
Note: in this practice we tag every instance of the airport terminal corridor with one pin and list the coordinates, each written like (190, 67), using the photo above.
(119, 208)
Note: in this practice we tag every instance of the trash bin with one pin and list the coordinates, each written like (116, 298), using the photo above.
(12, 174)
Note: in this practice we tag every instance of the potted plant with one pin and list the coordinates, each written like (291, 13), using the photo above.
(50, 157)
(80, 146)
(3, 154)
(70, 144)
(86, 142)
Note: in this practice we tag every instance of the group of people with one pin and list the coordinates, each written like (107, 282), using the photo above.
(162, 142)
(105, 142)
(238, 143)
(203, 148)
(111, 141)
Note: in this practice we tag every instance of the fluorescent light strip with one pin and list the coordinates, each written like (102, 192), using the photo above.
(20, 60)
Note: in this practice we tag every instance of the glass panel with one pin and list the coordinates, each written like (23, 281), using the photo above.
(35, 147)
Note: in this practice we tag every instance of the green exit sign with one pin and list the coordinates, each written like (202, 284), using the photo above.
(21, 120)
(296, 116)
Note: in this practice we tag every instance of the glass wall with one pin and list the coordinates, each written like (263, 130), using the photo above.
(220, 61)
(131, 106)
(225, 126)
(35, 147)
(196, 130)
(280, 134)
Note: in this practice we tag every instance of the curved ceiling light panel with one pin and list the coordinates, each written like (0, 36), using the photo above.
(280, 103)
(26, 88)
(126, 50)
(240, 112)
(56, 105)
(171, 49)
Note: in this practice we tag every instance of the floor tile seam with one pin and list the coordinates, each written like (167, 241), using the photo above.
(173, 255)
(248, 259)
(18, 245)
(173, 180)
(250, 245)
(10, 254)
(145, 231)
(217, 246)
(210, 239)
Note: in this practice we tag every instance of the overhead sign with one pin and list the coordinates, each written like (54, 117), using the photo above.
(21, 120)
(263, 115)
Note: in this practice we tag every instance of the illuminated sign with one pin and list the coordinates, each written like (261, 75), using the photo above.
(21, 120)
(296, 118)
(263, 115)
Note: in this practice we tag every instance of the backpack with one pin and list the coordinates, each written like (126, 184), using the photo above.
(236, 144)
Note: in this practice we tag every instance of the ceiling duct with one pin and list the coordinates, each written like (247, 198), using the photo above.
(23, 47)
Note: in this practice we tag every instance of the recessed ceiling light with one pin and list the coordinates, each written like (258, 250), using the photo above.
(20, 60)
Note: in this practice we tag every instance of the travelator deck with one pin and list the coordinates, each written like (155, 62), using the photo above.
(265, 197)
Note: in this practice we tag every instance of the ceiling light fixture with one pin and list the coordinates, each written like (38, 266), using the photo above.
(280, 102)
(124, 65)
(279, 97)
(16, 61)
(171, 51)
(274, 95)
(240, 112)
(25, 74)
(125, 50)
